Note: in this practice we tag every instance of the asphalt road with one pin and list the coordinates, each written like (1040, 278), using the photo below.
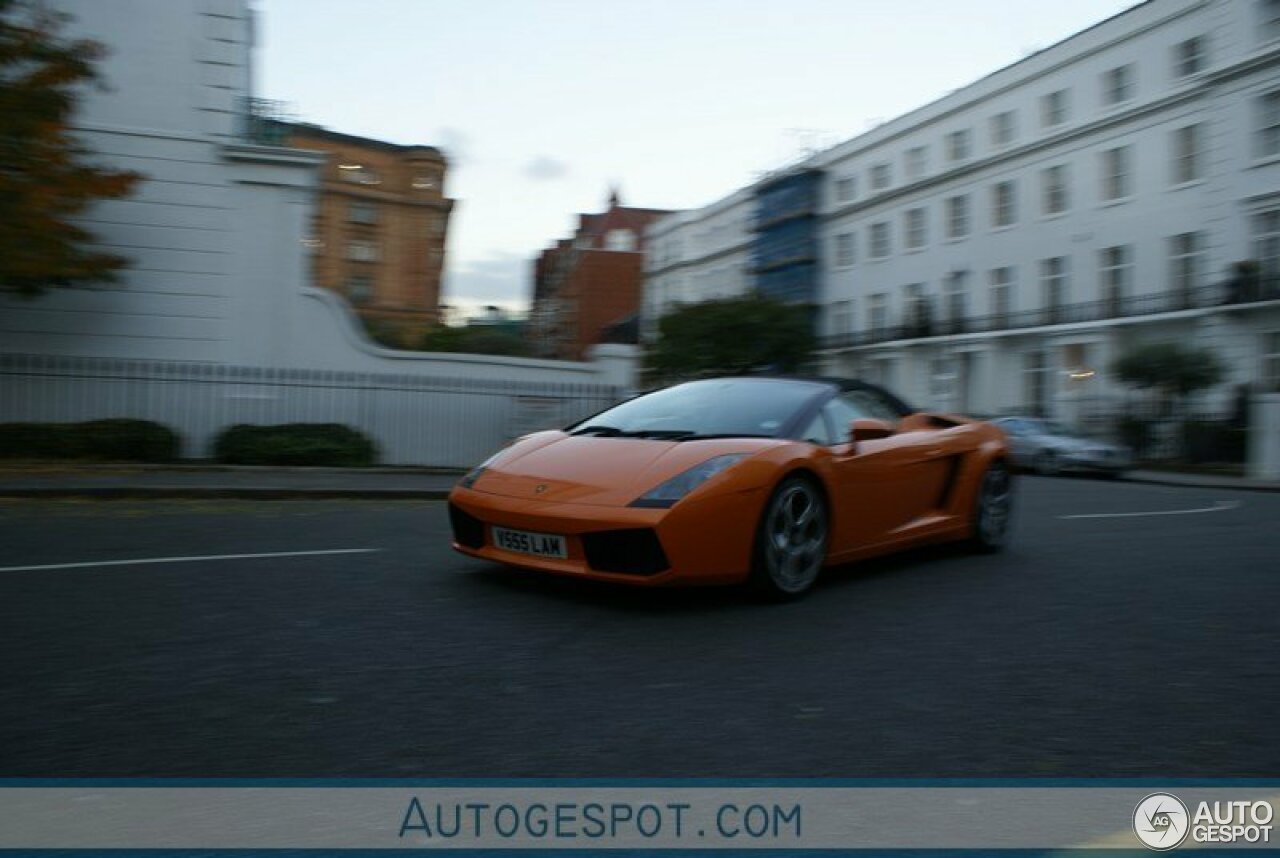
(1143, 645)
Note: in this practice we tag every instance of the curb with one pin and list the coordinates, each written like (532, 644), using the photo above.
(1242, 486)
(227, 493)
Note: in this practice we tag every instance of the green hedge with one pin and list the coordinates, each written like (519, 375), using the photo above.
(295, 444)
(113, 440)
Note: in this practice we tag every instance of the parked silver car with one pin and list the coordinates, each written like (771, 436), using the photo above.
(1050, 448)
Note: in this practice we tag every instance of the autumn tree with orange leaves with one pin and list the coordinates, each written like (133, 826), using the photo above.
(46, 175)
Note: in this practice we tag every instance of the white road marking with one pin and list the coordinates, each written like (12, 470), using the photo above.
(1217, 507)
(146, 560)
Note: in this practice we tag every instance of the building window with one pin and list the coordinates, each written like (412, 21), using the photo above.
(1269, 124)
(1003, 128)
(1271, 361)
(1117, 170)
(359, 174)
(1117, 85)
(846, 189)
(881, 177)
(957, 216)
(1053, 185)
(957, 299)
(878, 313)
(1190, 57)
(1004, 205)
(916, 229)
(362, 212)
(1186, 154)
(959, 145)
(1001, 280)
(880, 242)
(1186, 261)
(362, 251)
(844, 250)
(1053, 108)
(1053, 283)
(620, 239)
(842, 318)
(1035, 371)
(359, 290)
(917, 162)
(1115, 277)
(1266, 242)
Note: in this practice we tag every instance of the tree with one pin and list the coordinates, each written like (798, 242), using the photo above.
(731, 335)
(1175, 370)
(45, 177)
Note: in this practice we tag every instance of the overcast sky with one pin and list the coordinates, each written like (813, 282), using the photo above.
(541, 105)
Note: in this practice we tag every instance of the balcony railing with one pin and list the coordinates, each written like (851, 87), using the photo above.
(264, 121)
(1219, 295)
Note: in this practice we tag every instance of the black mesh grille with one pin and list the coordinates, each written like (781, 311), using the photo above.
(467, 529)
(625, 552)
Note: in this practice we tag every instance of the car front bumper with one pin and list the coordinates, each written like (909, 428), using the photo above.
(704, 540)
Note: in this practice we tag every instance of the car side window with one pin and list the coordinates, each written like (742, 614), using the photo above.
(818, 432)
(867, 403)
(840, 414)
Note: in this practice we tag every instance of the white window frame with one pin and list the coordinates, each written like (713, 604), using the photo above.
(878, 313)
(1055, 194)
(1055, 108)
(1187, 147)
(1055, 287)
(846, 189)
(1186, 262)
(916, 162)
(1004, 203)
(1266, 241)
(881, 176)
(957, 216)
(1116, 172)
(1267, 135)
(915, 228)
(846, 254)
(959, 145)
(1190, 57)
(1004, 128)
(1000, 283)
(1115, 274)
(1118, 85)
(881, 240)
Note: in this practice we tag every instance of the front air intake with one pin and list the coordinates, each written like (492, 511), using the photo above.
(468, 530)
(625, 552)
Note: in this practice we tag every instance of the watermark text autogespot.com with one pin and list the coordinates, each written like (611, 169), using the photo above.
(564, 821)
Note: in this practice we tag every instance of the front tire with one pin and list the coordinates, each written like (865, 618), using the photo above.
(791, 540)
(993, 509)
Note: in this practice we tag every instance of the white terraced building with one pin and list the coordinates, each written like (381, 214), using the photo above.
(993, 251)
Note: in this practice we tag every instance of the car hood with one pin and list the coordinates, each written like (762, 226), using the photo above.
(556, 467)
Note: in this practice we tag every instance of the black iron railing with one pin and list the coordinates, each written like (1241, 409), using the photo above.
(264, 121)
(1218, 295)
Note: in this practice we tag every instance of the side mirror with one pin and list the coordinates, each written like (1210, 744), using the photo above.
(868, 429)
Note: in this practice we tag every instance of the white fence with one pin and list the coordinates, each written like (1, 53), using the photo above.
(414, 419)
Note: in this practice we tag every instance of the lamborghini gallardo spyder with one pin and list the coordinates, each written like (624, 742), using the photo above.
(752, 479)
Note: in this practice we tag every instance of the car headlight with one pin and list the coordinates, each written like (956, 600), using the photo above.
(469, 479)
(666, 494)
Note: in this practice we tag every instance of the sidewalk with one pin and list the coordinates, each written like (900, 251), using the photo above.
(138, 482)
(222, 481)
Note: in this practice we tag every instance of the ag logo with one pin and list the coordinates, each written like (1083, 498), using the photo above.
(1161, 821)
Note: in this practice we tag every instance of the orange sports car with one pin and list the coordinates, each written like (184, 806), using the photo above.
(765, 480)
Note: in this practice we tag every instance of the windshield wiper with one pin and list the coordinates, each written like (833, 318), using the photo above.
(710, 436)
(601, 430)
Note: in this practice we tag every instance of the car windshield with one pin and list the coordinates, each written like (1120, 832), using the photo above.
(738, 407)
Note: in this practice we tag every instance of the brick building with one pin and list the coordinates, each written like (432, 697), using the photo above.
(587, 286)
(380, 227)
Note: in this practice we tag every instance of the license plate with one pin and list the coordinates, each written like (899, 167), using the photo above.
(533, 544)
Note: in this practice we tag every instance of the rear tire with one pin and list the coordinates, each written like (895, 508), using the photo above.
(791, 540)
(993, 510)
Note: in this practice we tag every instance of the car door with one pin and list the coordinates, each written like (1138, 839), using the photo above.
(881, 485)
